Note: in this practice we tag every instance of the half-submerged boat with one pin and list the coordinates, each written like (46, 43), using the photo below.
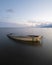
(29, 39)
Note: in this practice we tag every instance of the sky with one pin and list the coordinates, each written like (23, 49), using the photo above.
(26, 11)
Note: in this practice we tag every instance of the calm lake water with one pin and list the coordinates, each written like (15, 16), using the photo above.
(13, 53)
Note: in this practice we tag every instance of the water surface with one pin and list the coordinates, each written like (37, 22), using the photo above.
(15, 53)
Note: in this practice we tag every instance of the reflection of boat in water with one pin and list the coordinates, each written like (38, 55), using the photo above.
(29, 39)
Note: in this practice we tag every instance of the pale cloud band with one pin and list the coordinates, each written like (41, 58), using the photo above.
(35, 24)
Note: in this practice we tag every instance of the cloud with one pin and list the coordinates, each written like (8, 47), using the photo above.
(39, 24)
(10, 10)
(26, 24)
(35, 24)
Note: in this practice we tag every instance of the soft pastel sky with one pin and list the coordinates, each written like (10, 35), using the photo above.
(25, 11)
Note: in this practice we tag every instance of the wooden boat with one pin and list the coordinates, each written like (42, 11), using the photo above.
(29, 39)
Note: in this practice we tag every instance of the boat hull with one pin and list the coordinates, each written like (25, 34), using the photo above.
(27, 40)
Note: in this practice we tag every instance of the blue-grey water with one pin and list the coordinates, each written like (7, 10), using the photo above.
(15, 53)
